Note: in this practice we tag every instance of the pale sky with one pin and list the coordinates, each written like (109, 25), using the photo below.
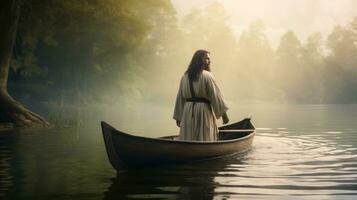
(302, 16)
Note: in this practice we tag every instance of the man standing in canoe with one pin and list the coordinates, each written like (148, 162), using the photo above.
(199, 101)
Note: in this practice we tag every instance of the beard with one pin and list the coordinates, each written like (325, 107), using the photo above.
(207, 67)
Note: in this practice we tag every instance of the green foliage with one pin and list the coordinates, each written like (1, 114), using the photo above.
(82, 45)
(118, 51)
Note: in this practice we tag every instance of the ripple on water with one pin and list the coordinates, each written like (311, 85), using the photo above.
(292, 165)
(309, 162)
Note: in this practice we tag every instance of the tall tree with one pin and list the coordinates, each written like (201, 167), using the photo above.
(160, 52)
(77, 49)
(254, 62)
(80, 46)
(11, 109)
(312, 68)
(208, 28)
(340, 73)
(288, 69)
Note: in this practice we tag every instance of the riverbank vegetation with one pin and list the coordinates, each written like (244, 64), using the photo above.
(86, 53)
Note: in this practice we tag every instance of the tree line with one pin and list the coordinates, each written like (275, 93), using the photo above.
(115, 51)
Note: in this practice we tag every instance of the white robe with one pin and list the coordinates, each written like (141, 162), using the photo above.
(201, 125)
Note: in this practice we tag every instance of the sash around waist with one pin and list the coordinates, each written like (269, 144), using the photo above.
(198, 100)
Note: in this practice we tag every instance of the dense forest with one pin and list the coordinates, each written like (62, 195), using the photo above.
(97, 52)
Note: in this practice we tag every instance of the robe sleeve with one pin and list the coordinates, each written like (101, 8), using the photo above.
(180, 102)
(215, 97)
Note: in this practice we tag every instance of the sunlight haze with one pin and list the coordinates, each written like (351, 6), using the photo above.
(302, 16)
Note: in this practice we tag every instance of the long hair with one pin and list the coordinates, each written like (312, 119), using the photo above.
(196, 65)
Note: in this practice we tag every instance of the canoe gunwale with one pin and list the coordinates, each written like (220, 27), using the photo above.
(162, 139)
(183, 141)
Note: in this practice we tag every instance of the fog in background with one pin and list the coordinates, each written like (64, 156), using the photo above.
(303, 16)
(128, 56)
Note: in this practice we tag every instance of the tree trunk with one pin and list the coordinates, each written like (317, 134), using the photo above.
(11, 110)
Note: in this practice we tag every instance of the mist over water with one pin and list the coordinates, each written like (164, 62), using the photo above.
(121, 62)
(300, 151)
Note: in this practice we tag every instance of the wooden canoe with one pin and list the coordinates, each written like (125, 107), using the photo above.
(127, 151)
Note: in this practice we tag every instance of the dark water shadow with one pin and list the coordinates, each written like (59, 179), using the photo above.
(186, 181)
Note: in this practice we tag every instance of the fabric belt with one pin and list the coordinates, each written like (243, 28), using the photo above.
(199, 100)
(195, 99)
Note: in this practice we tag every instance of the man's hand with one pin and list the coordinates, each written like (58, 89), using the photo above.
(178, 123)
(225, 118)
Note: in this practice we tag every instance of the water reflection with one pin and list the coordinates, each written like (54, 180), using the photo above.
(187, 181)
(47, 163)
(292, 157)
(7, 142)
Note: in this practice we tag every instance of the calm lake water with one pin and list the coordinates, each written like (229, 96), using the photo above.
(299, 152)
